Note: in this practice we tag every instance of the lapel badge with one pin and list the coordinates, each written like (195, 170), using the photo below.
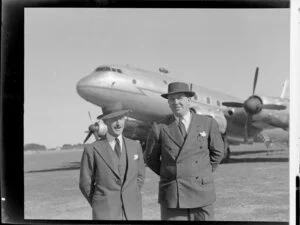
(203, 134)
(135, 157)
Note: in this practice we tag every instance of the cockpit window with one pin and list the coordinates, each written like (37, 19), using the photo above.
(107, 68)
(103, 68)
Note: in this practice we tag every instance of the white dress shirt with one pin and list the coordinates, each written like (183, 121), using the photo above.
(186, 120)
(112, 141)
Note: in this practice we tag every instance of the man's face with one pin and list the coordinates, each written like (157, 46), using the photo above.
(115, 125)
(179, 104)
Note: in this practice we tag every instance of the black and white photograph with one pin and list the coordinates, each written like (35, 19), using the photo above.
(157, 114)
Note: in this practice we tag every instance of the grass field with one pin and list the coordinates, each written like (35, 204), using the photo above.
(252, 186)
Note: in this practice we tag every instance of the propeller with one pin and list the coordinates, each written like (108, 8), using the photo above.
(93, 129)
(252, 106)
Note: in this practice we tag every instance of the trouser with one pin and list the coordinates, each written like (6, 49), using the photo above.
(121, 215)
(193, 214)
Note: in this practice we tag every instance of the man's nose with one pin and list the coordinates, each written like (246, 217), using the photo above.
(119, 122)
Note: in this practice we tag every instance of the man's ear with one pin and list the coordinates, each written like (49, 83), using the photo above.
(105, 122)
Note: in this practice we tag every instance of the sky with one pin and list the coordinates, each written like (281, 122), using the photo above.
(215, 48)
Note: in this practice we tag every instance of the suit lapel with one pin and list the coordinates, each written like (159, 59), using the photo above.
(105, 152)
(193, 128)
(129, 157)
(173, 132)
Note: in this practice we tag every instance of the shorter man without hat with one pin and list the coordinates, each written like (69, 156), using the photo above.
(112, 171)
(184, 149)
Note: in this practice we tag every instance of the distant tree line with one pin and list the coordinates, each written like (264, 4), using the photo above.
(75, 146)
(38, 147)
(35, 147)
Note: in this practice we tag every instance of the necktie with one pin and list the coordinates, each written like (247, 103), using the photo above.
(118, 148)
(182, 128)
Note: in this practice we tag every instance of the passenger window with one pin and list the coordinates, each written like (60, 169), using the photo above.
(208, 100)
(195, 97)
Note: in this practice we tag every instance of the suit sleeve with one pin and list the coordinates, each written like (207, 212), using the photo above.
(153, 150)
(216, 145)
(86, 179)
(141, 167)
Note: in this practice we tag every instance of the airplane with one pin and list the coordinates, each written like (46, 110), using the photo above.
(140, 90)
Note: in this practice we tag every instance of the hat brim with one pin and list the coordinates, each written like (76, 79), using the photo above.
(112, 115)
(188, 93)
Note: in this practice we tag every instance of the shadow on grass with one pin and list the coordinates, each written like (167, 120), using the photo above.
(69, 166)
(270, 151)
(254, 160)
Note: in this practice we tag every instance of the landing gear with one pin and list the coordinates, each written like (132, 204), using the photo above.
(226, 149)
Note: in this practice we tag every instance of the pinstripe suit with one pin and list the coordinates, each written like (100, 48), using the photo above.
(107, 192)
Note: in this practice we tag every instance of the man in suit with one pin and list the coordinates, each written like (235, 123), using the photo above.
(184, 149)
(112, 171)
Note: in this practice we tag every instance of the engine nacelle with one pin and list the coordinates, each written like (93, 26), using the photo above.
(216, 114)
(136, 130)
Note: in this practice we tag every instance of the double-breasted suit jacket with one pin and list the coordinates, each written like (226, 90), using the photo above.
(102, 185)
(185, 166)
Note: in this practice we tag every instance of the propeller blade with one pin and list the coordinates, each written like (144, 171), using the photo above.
(87, 137)
(273, 106)
(233, 104)
(90, 116)
(255, 80)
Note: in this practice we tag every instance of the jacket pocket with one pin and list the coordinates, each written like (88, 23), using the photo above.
(202, 142)
(207, 179)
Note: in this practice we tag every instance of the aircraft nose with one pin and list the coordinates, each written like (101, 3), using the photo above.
(95, 87)
(86, 84)
(82, 85)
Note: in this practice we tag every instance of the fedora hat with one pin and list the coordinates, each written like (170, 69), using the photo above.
(178, 87)
(112, 110)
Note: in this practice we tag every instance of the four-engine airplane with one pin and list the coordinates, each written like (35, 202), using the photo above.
(139, 90)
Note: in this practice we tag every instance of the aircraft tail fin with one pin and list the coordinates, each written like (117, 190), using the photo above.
(284, 89)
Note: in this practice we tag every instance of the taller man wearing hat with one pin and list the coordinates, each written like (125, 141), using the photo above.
(184, 149)
(112, 171)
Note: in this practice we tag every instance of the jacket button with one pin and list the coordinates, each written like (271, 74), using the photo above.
(196, 161)
(197, 178)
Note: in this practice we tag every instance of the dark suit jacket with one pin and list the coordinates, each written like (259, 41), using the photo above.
(102, 186)
(185, 166)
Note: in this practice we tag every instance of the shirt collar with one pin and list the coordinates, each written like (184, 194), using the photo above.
(185, 118)
(112, 138)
